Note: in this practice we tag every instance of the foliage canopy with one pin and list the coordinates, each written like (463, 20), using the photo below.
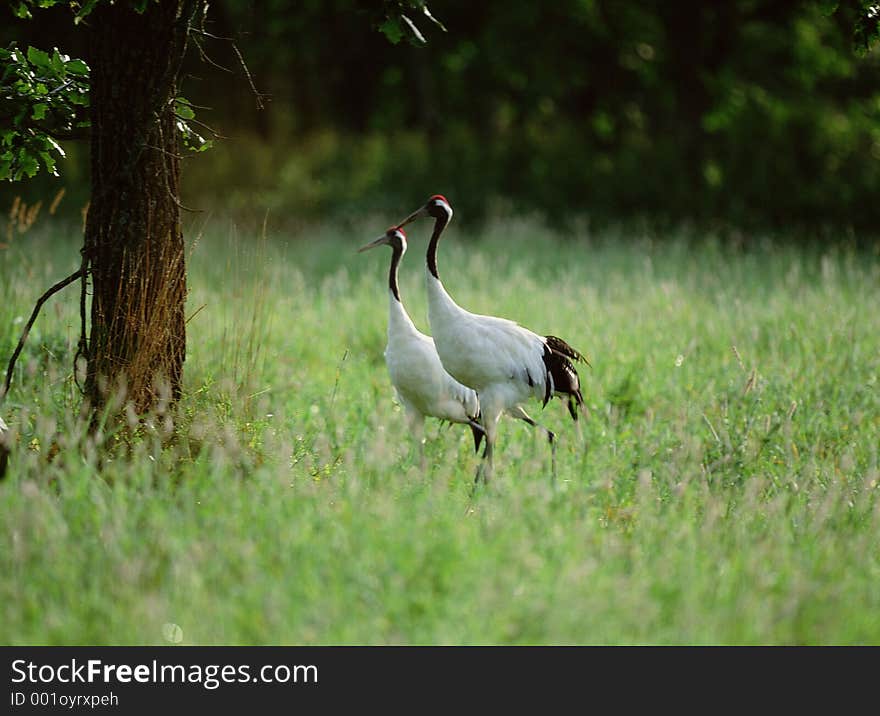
(755, 111)
(46, 94)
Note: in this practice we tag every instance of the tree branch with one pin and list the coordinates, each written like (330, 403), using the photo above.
(259, 96)
(40, 301)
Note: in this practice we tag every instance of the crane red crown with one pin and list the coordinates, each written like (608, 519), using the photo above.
(392, 229)
(440, 197)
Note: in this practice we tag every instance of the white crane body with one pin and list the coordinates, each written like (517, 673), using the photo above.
(417, 374)
(482, 350)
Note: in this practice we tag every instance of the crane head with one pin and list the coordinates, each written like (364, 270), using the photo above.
(437, 206)
(395, 237)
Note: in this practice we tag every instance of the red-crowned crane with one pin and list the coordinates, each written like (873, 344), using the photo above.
(505, 363)
(423, 387)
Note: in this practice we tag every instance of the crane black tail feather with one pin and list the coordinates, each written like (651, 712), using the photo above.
(557, 345)
(562, 378)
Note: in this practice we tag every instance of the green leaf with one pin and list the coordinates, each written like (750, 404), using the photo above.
(57, 63)
(27, 164)
(86, 8)
(49, 163)
(39, 111)
(77, 67)
(20, 9)
(391, 29)
(184, 109)
(191, 139)
(38, 58)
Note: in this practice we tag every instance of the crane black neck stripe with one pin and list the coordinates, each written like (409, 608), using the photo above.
(439, 225)
(392, 273)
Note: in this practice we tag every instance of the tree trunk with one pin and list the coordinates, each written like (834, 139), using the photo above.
(133, 239)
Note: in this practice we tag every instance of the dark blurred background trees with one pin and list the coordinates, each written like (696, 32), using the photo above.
(756, 113)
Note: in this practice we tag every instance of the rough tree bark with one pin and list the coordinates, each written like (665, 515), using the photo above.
(133, 239)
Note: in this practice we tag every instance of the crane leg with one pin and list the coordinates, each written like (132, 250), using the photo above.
(521, 414)
(486, 466)
(478, 433)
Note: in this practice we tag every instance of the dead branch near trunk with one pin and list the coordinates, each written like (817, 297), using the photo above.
(27, 329)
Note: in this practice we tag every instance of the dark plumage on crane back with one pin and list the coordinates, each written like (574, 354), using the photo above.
(560, 346)
(562, 378)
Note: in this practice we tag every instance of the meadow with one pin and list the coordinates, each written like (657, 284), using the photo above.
(725, 489)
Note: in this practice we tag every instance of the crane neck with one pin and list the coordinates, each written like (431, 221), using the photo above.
(396, 255)
(431, 256)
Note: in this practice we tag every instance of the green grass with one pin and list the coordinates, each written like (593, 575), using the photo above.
(715, 495)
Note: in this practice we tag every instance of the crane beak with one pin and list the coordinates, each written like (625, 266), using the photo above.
(382, 240)
(412, 217)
